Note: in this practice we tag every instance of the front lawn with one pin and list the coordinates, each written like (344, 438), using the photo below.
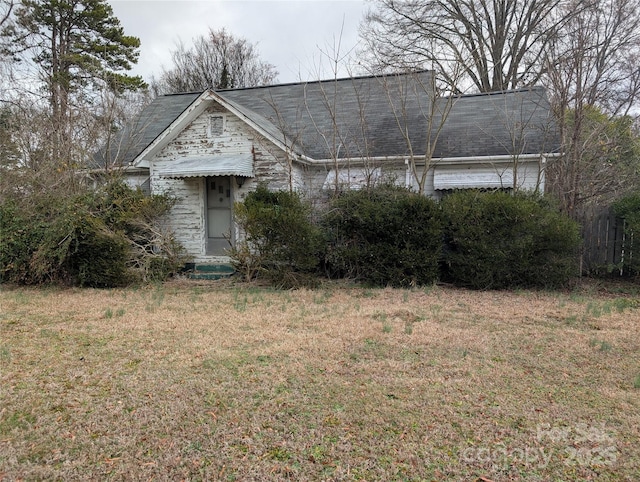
(215, 381)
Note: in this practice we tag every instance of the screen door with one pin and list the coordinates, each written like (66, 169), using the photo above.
(218, 215)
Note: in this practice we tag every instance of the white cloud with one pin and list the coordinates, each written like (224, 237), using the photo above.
(289, 34)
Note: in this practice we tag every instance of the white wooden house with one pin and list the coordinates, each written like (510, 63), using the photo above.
(210, 148)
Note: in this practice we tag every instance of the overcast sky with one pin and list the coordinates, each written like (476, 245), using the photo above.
(289, 34)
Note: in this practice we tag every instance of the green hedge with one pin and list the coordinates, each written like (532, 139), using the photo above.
(389, 236)
(384, 236)
(498, 240)
(20, 237)
(279, 241)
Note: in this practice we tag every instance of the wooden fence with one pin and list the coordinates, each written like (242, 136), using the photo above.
(606, 246)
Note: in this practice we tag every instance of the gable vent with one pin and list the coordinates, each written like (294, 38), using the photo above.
(216, 125)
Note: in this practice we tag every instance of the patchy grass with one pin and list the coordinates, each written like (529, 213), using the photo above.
(212, 381)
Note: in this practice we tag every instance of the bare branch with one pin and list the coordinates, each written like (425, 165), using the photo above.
(216, 61)
(594, 79)
(498, 44)
(6, 7)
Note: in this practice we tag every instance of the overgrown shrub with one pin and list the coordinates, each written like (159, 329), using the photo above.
(154, 253)
(499, 240)
(280, 243)
(20, 236)
(78, 248)
(99, 238)
(384, 236)
(628, 208)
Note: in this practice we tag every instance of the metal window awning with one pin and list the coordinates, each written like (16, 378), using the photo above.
(476, 177)
(210, 166)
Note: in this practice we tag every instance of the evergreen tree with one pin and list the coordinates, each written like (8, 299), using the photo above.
(74, 43)
(79, 48)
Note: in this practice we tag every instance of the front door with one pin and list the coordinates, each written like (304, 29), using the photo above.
(218, 215)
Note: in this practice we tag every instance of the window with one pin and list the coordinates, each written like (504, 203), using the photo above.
(352, 178)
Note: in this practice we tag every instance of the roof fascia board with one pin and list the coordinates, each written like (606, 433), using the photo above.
(124, 169)
(490, 159)
(190, 113)
(434, 161)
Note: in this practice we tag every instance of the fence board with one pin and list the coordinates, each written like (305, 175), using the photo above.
(605, 246)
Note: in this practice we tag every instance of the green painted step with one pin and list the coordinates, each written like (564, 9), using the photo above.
(208, 271)
(208, 276)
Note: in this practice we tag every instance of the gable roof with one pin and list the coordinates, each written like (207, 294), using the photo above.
(372, 117)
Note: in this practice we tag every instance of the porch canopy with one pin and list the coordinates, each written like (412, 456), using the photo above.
(240, 165)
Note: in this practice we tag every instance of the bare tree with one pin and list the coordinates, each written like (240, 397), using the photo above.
(30, 168)
(527, 133)
(339, 120)
(432, 116)
(27, 140)
(6, 10)
(117, 129)
(586, 53)
(500, 44)
(218, 60)
(336, 127)
(341, 142)
(594, 79)
(290, 139)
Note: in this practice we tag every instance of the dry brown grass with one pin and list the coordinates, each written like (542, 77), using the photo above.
(212, 381)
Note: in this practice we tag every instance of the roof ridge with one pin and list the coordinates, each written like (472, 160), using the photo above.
(502, 92)
(195, 92)
(360, 77)
(326, 81)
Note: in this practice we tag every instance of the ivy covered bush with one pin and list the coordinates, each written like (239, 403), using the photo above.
(498, 240)
(110, 236)
(384, 236)
(279, 242)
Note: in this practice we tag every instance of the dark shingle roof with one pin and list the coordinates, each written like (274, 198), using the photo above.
(369, 117)
(500, 123)
(353, 117)
(152, 121)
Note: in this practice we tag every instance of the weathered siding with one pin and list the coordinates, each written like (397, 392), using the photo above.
(443, 177)
(138, 179)
(390, 172)
(274, 168)
(195, 141)
(187, 219)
